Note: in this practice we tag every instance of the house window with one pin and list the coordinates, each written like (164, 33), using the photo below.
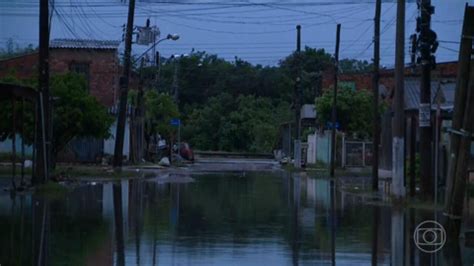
(82, 69)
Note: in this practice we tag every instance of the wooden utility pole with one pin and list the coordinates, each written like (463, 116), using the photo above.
(298, 99)
(175, 80)
(398, 142)
(124, 80)
(462, 127)
(459, 190)
(424, 121)
(298, 82)
(42, 141)
(375, 87)
(460, 96)
(334, 103)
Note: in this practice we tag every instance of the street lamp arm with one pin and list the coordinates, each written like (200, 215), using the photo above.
(172, 37)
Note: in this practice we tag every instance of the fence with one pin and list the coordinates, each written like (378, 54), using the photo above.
(356, 153)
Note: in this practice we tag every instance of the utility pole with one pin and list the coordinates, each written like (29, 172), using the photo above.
(460, 96)
(334, 103)
(124, 80)
(175, 81)
(455, 210)
(462, 128)
(43, 142)
(398, 142)
(375, 87)
(427, 62)
(298, 98)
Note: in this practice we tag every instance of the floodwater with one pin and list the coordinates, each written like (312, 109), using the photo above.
(214, 219)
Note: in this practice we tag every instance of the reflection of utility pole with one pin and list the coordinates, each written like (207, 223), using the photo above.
(118, 218)
(375, 85)
(334, 104)
(333, 214)
(375, 232)
(124, 80)
(398, 142)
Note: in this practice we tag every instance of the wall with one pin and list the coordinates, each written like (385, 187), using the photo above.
(103, 67)
(319, 148)
(364, 80)
(25, 66)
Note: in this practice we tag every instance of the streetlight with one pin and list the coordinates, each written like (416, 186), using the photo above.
(173, 37)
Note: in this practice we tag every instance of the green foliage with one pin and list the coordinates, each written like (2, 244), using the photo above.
(245, 123)
(313, 63)
(202, 76)
(354, 110)
(231, 106)
(160, 109)
(235, 106)
(75, 113)
(354, 66)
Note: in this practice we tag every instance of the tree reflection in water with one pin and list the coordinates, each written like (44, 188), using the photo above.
(252, 219)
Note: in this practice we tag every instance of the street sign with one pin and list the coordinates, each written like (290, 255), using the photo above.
(329, 125)
(175, 122)
(424, 115)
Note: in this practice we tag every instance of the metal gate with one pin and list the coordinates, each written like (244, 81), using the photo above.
(357, 154)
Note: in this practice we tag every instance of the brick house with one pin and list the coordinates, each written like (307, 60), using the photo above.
(442, 86)
(97, 60)
(360, 81)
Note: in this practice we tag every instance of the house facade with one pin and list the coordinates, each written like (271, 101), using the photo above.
(97, 60)
(443, 88)
(363, 81)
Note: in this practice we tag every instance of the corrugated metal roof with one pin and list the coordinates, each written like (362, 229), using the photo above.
(83, 44)
(412, 93)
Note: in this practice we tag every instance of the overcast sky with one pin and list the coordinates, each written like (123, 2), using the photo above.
(259, 31)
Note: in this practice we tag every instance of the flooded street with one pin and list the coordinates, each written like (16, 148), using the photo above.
(259, 218)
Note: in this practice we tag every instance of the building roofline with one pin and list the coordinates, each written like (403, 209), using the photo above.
(84, 44)
(409, 65)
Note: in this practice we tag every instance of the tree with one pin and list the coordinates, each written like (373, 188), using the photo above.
(13, 49)
(354, 110)
(354, 66)
(245, 123)
(159, 110)
(313, 63)
(75, 114)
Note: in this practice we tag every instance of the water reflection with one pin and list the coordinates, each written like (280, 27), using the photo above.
(219, 219)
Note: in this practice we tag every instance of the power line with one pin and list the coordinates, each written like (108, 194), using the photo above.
(449, 49)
